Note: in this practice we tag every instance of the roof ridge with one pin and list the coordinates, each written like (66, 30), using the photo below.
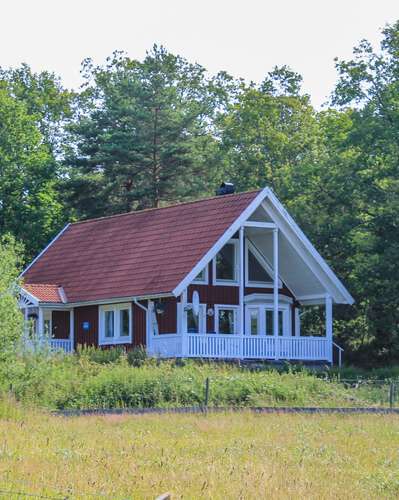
(95, 219)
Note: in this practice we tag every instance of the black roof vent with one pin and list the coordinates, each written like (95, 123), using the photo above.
(226, 188)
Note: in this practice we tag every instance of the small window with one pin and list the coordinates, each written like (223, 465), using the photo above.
(269, 322)
(202, 277)
(226, 263)
(226, 319)
(256, 272)
(115, 324)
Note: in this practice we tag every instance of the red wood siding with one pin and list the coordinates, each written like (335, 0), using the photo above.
(167, 322)
(60, 324)
(139, 326)
(86, 337)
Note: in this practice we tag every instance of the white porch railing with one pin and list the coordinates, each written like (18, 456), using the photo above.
(61, 345)
(238, 346)
(166, 345)
(258, 347)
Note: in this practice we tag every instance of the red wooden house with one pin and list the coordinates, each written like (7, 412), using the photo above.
(224, 277)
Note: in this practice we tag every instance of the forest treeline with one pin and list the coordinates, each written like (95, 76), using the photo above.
(141, 134)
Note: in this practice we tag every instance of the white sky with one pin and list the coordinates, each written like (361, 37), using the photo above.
(244, 37)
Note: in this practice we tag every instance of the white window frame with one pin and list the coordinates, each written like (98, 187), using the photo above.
(48, 316)
(203, 281)
(262, 308)
(117, 338)
(249, 246)
(235, 281)
(235, 309)
(201, 320)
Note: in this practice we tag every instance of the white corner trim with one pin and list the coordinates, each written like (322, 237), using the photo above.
(62, 294)
(235, 226)
(45, 249)
(309, 247)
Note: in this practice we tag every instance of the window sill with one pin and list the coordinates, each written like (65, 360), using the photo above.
(118, 341)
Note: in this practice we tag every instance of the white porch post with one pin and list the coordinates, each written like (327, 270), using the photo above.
(241, 291)
(297, 322)
(71, 329)
(275, 291)
(40, 325)
(183, 329)
(329, 326)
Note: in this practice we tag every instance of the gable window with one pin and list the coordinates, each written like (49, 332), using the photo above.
(195, 323)
(202, 277)
(115, 324)
(258, 272)
(225, 264)
(226, 319)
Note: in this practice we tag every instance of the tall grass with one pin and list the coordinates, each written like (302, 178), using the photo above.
(91, 380)
(193, 456)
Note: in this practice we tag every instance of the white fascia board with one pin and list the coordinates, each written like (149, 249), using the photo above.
(45, 249)
(334, 280)
(114, 300)
(31, 297)
(221, 241)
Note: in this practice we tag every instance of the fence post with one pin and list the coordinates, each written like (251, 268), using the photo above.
(206, 394)
(391, 394)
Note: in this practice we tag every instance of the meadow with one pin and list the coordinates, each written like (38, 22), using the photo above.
(240, 455)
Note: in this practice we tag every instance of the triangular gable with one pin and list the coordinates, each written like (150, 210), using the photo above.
(291, 235)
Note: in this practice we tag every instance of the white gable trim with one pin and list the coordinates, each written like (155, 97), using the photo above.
(45, 249)
(328, 272)
(221, 242)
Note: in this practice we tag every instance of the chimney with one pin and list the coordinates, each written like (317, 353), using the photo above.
(225, 188)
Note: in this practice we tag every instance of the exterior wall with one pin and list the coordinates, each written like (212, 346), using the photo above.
(60, 324)
(86, 337)
(167, 322)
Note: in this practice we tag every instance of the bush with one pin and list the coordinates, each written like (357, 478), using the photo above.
(101, 356)
(137, 356)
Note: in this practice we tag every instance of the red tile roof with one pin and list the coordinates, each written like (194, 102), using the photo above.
(44, 292)
(138, 253)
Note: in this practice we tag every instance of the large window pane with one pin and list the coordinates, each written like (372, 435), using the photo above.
(226, 321)
(269, 322)
(201, 276)
(253, 316)
(109, 323)
(225, 263)
(124, 322)
(256, 271)
(192, 322)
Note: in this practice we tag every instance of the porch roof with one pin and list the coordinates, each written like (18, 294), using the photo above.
(136, 254)
(45, 292)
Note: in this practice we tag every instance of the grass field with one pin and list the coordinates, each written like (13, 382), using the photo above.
(196, 456)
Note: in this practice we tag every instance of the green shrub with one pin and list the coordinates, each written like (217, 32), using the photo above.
(102, 356)
(137, 356)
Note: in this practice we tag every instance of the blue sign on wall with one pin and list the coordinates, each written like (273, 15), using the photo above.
(86, 325)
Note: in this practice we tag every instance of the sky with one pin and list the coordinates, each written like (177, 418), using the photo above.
(246, 38)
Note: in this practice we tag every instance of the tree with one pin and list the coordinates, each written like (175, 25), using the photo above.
(370, 84)
(29, 206)
(143, 136)
(11, 324)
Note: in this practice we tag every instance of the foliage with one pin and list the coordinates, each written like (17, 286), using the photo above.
(102, 356)
(29, 205)
(10, 315)
(137, 356)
